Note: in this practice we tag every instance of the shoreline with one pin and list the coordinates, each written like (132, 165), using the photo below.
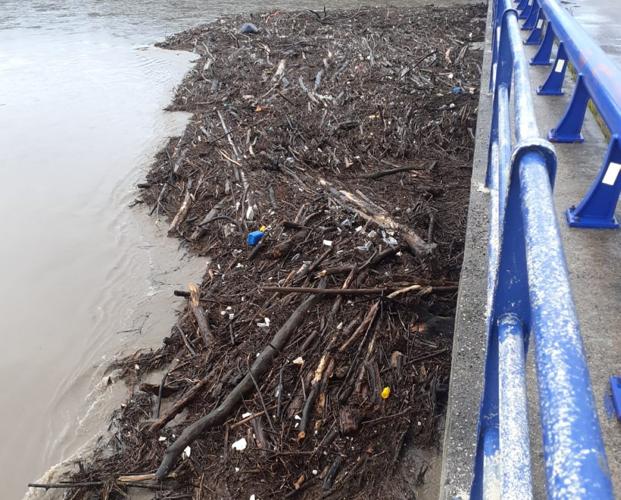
(214, 200)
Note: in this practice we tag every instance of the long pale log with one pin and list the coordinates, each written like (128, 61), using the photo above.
(183, 210)
(381, 218)
(200, 314)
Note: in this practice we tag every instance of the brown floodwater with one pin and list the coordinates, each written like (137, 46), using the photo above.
(84, 277)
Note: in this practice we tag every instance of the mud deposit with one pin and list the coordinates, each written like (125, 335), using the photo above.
(311, 364)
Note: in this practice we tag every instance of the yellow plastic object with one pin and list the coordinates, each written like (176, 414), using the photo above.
(385, 393)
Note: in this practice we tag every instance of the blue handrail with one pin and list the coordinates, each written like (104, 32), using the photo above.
(529, 292)
(598, 80)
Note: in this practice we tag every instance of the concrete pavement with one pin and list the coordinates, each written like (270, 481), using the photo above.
(602, 21)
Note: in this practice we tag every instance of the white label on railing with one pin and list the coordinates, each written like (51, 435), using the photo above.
(539, 24)
(560, 64)
(610, 177)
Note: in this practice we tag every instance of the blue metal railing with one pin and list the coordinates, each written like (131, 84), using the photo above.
(598, 80)
(529, 293)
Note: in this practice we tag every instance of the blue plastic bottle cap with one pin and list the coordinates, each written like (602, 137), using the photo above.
(254, 237)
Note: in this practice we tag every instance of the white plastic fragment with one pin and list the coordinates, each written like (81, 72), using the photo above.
(161, 439)
(264, 324)
(364, 248)
(240, 444)
(327, 243)
(298, 361)
(246, 415)
(253, 497)
(390, 241)
(137, 367)
(186, 452)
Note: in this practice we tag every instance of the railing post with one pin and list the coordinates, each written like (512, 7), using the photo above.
(522, 5)
(542, 57)
(531, 21)
(527, 10)
(535, 36)
(597, 208)
(554, 84)
(568, 129)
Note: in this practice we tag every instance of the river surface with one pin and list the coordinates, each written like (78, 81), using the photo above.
(84, 277)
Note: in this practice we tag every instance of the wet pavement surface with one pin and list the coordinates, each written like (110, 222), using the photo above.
(602, 20)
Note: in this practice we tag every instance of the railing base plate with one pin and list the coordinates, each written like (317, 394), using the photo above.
(552, 137)
(592, 223)
(542, 91)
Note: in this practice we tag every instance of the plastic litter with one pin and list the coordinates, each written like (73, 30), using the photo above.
(457, 90)
(254, 237)
(248, 28)
(240, 444)
(385, 394)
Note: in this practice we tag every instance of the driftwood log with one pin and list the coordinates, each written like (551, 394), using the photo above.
(372, 213)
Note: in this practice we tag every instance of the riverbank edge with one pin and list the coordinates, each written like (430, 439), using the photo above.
(470, 336)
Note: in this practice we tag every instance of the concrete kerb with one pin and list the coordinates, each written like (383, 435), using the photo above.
(469, 341)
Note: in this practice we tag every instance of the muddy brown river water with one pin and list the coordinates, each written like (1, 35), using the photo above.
(83, 276)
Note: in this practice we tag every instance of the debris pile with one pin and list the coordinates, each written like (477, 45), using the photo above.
(325, 173)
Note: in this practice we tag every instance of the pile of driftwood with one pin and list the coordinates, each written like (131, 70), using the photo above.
(306, 364)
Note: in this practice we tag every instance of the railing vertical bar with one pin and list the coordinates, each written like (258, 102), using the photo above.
(513, 414)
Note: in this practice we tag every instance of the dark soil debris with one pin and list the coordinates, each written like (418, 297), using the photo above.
(348, 135)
